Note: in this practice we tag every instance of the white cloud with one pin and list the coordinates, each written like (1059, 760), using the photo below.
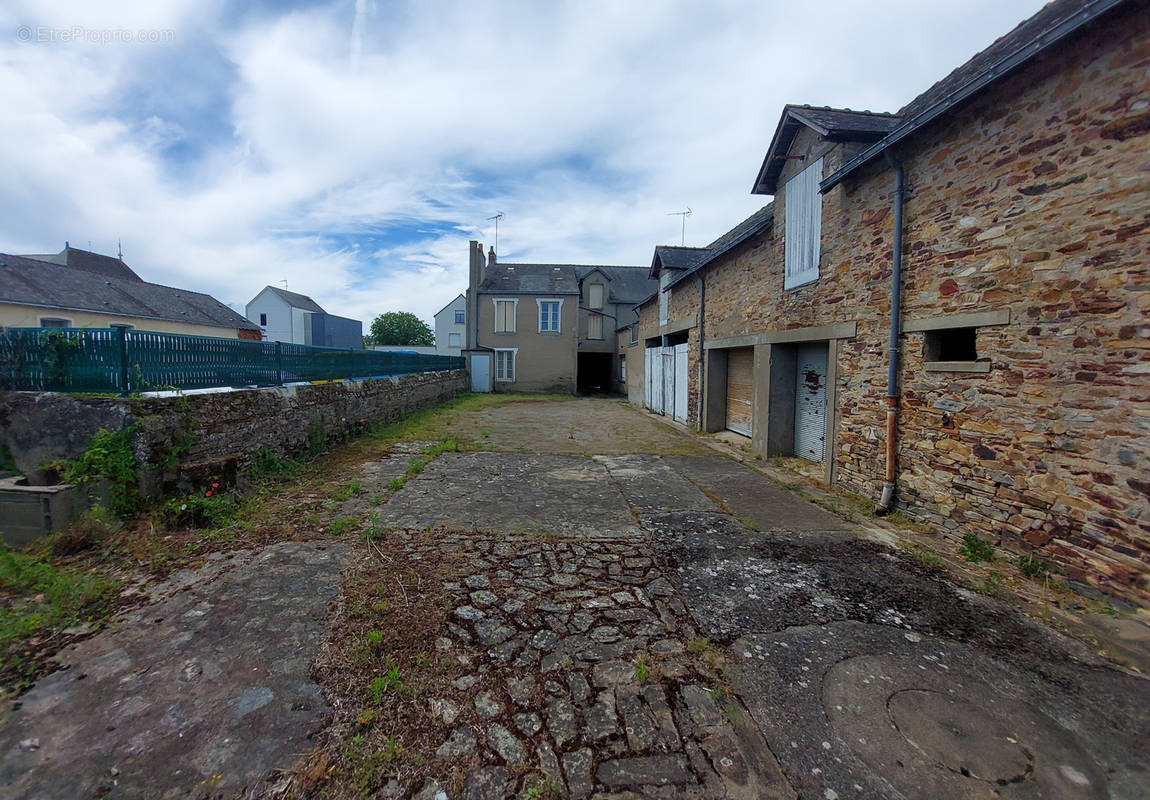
(355, 125)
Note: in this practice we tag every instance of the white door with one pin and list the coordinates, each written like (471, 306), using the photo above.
(680, 412)
(811, 402)
(480, 373)
(668, 381)
(655, 378)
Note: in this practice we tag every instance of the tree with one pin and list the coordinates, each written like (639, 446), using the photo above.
(401, 327)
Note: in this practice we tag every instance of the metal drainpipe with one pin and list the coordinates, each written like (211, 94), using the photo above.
(892, 397)
(700, 368)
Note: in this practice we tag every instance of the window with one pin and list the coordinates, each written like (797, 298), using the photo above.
(954, 344)
(54, 322)
(123, 325)
(264, 320)
(595, 295)
(664, 296)
(804, 212)
(460, 317)
(623, 368)
(505, 316)
(549, 315)
(505, 365)
(634, 334)
(453, 340)
(595, 326)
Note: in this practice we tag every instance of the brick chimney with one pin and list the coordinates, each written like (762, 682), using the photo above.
(491, 258)
(477, 269)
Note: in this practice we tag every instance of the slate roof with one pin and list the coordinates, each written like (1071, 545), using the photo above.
(1053, 23)
(44, 284)
(297, 300)
(449, 303)
(835, 124)
(626, 283)
(98, 263)
(667, 257)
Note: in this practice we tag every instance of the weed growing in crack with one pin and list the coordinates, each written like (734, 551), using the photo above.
(1031, 567)
(342, 525)
(541, 787)
(699, 644)
(642, 670)
(353, 488)
(974, 548)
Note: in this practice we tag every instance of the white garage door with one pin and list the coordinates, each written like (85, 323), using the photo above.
(811, 402)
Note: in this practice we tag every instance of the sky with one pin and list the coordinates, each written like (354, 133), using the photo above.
(350, 149)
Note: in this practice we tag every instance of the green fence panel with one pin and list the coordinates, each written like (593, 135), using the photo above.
(124, 361)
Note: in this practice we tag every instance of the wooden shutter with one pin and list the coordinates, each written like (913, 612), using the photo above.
(595, 326)
(740, 389)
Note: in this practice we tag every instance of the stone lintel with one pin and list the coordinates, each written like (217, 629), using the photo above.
(977, 319)
(815, 333)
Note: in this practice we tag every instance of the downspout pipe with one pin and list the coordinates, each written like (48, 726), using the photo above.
(892, 395)
(701, 371)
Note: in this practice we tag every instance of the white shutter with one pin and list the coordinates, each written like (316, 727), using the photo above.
(803, 205)
(681, 382)
(811, 402)
(595, 326)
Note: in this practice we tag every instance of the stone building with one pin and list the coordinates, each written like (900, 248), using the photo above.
(1015, 403)
(547, 327)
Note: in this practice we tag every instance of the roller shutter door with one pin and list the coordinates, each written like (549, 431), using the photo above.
(740, 389)
(811, 402)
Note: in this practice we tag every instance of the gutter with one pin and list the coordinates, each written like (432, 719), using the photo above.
(975, 85)
(886, 503)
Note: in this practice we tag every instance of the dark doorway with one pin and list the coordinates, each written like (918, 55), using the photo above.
(594, 373)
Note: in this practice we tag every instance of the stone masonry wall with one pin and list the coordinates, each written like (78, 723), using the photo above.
(214, 434)
(1034, 199)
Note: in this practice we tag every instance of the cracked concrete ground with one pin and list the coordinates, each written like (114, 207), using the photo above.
(601, 592)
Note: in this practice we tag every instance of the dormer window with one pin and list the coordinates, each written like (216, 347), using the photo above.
(595, 296)
(804, 223)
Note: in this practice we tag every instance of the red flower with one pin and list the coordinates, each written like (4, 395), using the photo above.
(208, 493)
(215, 486)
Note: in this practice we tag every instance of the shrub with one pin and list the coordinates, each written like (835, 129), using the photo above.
(974, 548)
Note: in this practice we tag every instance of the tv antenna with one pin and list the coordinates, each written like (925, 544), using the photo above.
(284, 282)
(498, 216)
(683, 215)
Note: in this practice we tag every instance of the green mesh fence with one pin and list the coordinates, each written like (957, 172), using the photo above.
(121, 361)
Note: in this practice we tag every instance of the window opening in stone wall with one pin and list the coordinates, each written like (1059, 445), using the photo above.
(950, 344)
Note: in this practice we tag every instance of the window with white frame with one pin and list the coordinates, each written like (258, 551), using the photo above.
(664, 295)
(595, 295)
(454, 340)
(549, 315)
(505, 315)
(505, 365)
(804, 212)
(595, 326)
(460, 317)
(623, 368)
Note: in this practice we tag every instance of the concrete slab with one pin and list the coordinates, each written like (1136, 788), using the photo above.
(869, 711)
(650, 485)
(513, 493)
(752, 497)
(199, 695)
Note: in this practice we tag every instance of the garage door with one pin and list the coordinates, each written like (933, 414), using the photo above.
(811, 402)
(740, 389)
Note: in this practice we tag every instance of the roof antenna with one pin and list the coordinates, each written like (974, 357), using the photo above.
(119, 249)
(684, 215)
(498, 216)
(284, 282)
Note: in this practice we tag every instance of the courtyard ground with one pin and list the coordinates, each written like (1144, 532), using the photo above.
(544, 597)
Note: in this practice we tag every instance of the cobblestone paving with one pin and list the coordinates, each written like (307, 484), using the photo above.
(585, 667)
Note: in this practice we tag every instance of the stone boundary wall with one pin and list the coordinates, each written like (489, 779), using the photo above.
(185, 440)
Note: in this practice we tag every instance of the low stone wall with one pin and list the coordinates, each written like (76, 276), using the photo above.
(181, 440)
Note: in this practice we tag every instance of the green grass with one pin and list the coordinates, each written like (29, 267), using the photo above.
(42, 599)
(353, 488)
(341, 525)
(974, 548)
(390, 681)
(924, 556)
(642, 670)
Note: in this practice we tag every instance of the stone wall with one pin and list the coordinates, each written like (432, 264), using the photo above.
(1029, 202)
(181, 440)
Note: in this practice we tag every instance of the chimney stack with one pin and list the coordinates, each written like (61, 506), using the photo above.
(491, 258)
